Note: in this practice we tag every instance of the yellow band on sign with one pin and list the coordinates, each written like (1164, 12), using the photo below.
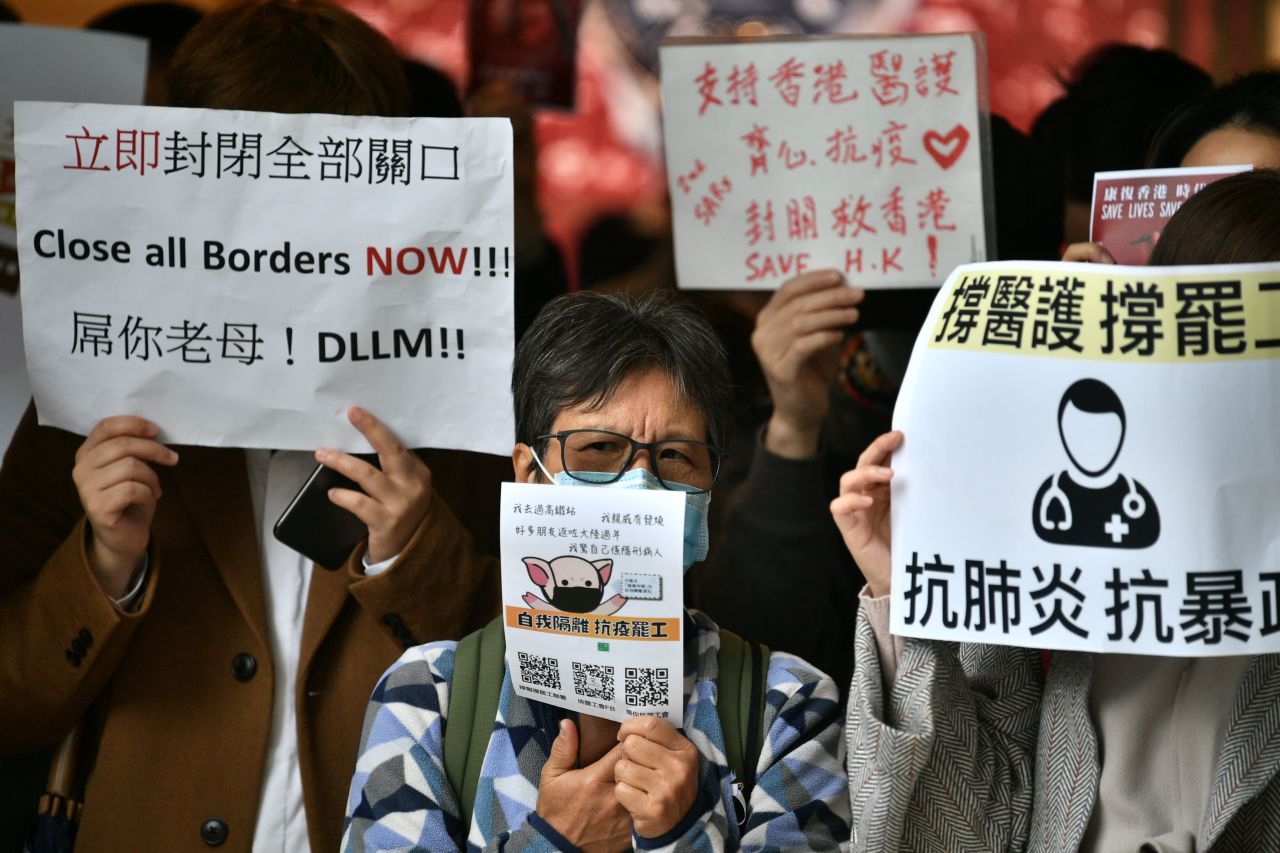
(1115, 314)
(591, 626)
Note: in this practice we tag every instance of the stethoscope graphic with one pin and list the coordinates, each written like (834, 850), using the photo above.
(1133, 504)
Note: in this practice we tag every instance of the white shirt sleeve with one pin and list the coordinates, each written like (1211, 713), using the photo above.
(129, 601)
(372, 569)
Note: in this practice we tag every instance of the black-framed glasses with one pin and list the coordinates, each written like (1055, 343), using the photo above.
(600, 456)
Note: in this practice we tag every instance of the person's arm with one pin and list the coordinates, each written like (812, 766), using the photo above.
(799, 801)
(438, 587)
(776, 539)
(427, 580)
(942, 756)
(400, 797)
(61, 639)
(61, 633)
(888, 647)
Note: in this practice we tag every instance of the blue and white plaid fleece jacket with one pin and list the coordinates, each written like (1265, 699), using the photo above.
(401, 800)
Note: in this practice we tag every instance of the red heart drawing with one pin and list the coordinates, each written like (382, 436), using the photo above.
(947, 149)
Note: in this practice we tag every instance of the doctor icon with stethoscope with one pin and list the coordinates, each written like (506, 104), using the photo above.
(1093, 505)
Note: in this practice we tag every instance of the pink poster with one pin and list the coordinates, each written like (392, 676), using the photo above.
(1130, 208)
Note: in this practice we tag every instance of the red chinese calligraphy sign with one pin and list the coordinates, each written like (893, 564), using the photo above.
(865, 154)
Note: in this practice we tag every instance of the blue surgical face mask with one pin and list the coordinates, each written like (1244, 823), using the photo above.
(696, 539)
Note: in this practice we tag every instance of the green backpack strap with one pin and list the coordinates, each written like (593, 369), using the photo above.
(741, 688)
(478, 666)
(754, 701)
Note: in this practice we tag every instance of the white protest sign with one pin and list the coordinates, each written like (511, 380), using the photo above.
(1090, 461)
(242, 278)
(48, 64)
(593, 598)
(57, 64)
(865, 154)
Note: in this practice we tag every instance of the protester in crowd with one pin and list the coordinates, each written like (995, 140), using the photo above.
(969, 746)
(832, 360)
(164, 25)
(1116, 99)
(539, 267)
(431, 92)
(653, 373)
(1237, 124)
(630, 251)
(1028, 196)
(778, 574)
(633, 254)
(220, 678)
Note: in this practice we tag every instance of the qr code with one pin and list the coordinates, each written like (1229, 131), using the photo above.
(593, 681)
(539, 671)
(646, 687)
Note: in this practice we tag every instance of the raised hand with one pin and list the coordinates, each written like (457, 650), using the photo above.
(1088, 253)
(395, 498)
(118, 489)
(657, 775)
(797, 339)
(580, 803)
(862, 511)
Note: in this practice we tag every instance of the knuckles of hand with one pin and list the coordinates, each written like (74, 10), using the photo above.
(646, 726)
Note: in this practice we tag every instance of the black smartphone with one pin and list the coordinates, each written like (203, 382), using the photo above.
(315, 526)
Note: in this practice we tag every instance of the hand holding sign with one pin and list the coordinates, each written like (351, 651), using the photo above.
(657, 775)
(118, 490)
(862, 511)
(581, 804)
(797, 339)
(395, 499)
(1088, 253)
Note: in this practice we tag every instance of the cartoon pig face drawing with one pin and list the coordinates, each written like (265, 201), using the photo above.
(570, 583)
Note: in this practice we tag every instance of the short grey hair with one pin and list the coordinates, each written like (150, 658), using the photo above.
(582, 346)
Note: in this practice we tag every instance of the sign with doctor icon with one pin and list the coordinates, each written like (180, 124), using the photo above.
(1094, 505)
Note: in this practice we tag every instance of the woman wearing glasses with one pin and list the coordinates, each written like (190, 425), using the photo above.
(609, 394)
